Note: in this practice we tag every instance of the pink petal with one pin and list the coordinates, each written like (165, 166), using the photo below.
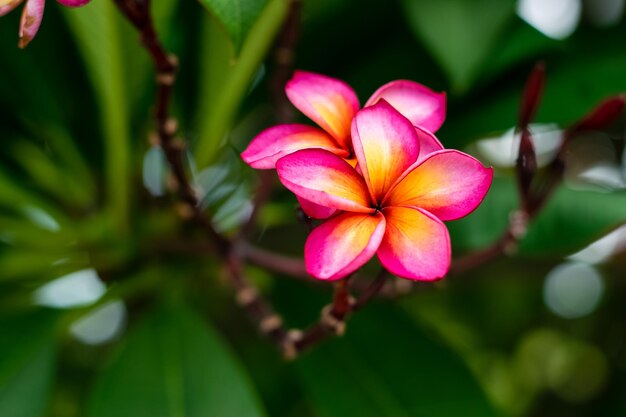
(343, 244)
(416, 244)
(315, 211)
(7, 6)
(385, 144)
(422, 106)
(325, 179)
(274, 143)
(449, 184)
(73, 3)
(329, 102)
(428, 143)
(31, 20)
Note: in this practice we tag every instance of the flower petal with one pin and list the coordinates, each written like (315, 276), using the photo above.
(7, 5)
(325, 179)
(422, 106)
(274, 143)
(73, 3)
(315, 211)
(449, 184)
(31, 20)
(416, 244)
(343, 244)
(385, 144)
(428, 143)
(329, 102)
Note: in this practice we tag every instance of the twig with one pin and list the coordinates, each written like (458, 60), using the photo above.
(274, 261)
(284, 57)
(333, 318)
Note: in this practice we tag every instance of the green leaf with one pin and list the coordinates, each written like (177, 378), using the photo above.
(98, 37)
(237, 16)
(386, 366)
(224, 84)
(571, 220)
(459, 33)
(51, 176)
(27, 355)
(174, 365)
(33, 263)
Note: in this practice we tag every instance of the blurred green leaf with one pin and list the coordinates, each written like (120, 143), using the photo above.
(521, 43)
(570, 220)
(230, 82)
(173, 364)
(27, 355)
(237, 16)
(50, 175)
(98, 37)
(15, 196)
(386, 366)
(573, 219)
(459, 33)
(27, 263)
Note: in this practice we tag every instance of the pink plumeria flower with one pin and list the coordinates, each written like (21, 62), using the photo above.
(393, 206)
(32, 15)
(332, 104)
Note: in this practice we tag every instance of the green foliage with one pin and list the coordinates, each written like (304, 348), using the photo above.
(237, 16)
(27, 366)
(96, 26)
(411, 376)
(227, 83)
(174, 365)
(448, 29)
(571, 220)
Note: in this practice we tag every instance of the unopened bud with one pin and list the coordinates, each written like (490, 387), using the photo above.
(603, 115)
(526, 163)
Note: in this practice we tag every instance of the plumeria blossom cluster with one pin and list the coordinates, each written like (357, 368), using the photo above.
(32, 15)
(378, 176)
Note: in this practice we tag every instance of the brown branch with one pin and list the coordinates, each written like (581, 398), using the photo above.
(284, 58)
(274, 261)
(333, 317)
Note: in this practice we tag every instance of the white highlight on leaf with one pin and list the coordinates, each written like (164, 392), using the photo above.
(556, 19)
(73, 290)
(502, 151)
(102, 325)
(154, 169)
(603, 248)
(41, 218)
